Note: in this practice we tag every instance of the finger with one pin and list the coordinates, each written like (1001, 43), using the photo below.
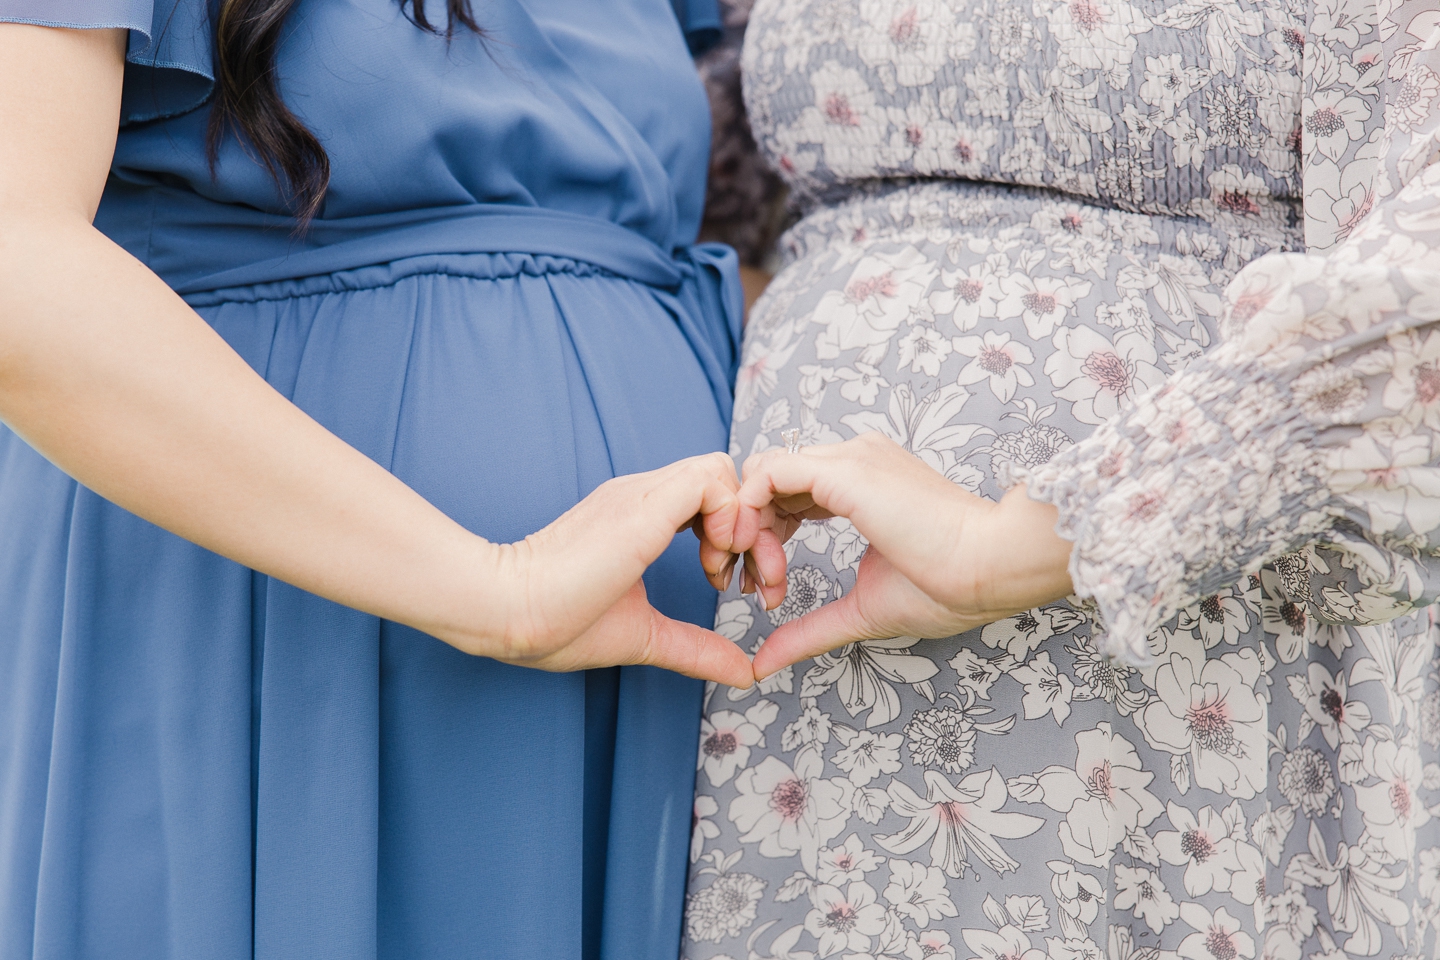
(833, 625)
(768, 593)
(724, 574)
(702, 488)
(797, 478)
(767, 557)
(695, 652)
(713, 558)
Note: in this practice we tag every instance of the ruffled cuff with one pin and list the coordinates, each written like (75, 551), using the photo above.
(1183, 494)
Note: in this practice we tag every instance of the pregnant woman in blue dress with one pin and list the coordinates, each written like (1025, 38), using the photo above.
(497, 302)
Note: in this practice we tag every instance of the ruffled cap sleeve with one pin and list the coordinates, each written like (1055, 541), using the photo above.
(169, 57)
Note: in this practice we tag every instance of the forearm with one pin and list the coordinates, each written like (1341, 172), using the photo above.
(117, 381)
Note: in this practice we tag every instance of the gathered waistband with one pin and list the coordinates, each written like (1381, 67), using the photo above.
(334, 246)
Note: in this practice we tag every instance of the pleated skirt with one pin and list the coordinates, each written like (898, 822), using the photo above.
(197, 761)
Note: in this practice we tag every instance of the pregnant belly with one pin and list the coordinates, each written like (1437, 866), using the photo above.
(982, 327)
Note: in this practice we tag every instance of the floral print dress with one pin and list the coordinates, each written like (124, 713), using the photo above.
(1060, 241)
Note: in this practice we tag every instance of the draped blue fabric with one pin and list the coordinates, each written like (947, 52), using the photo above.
(501, 304)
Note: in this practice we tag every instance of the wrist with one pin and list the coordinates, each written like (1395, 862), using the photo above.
(1029, 563)
(470, 591)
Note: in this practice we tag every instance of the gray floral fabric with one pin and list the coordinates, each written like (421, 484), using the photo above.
(1239, 436)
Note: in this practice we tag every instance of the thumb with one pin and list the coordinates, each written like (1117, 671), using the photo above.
(833, 625)
(695, 652)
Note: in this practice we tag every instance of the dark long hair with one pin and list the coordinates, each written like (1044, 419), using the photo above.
(247, 100)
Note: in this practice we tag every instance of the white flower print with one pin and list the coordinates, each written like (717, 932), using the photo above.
(1203, 844)
(997, 359)
(1141, 892)
(1289, 922)
(1414, 102)
(1358, 890)
(1042, 302)
(724, 908)
(861, 384)
(1429, 874)
(911, 40)
(883, 291)
(1330, 394)
(1073, 948)
(1047, 690)
(701, 827)
(1103, 796)
(943, 737)
(1270, 830)
(1414, 387)
(1247, 883)
(1218, 619)
(1169, 81)
(1079, 896)
(1021, 634)
(970, 295)
(726, 738)
(1293, 627)
(918, 893)
(1387, 474)
(790, 811)
(957, 819)
(836, 119)
(806, 590)
(862, 674)
(1215, 717)
(1307, 780)
(1131, 313)
(930, 945)
(866, 755)
(954, 147)
(812, 727)
(844, 920)
(1099, 376)
(1189, 142)
(923, 350)
(1217, 936)
(1096, 34)
(1066, 107)
(1392, 807)
(923, 425)
(1332, 120)
(1007, 943)
(848, 862)
(1324, 698)
(974, 673)
(1029, 447)
(1012, 35)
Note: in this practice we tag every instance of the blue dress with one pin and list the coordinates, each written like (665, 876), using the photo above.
(499, 304)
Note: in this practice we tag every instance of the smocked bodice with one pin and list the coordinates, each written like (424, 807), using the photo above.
(1187, 108)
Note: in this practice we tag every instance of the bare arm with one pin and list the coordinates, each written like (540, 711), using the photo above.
(110, 375)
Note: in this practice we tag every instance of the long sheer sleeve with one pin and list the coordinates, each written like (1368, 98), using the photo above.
(1315, 427)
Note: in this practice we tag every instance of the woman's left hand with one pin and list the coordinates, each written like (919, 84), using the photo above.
(940, 560)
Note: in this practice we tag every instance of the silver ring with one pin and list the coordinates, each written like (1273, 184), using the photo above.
(792, 440)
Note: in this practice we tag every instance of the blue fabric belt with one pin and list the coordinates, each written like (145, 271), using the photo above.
(699, 284)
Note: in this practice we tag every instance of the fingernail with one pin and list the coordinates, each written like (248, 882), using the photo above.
(747, 585)
(727, 572)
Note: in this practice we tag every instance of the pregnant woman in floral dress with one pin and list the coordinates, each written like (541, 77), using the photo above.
(1020, 219)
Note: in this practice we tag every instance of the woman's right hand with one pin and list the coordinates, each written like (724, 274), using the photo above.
(571, 594)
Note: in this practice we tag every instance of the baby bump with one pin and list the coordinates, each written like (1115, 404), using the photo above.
(503, 388)
(982, 328)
